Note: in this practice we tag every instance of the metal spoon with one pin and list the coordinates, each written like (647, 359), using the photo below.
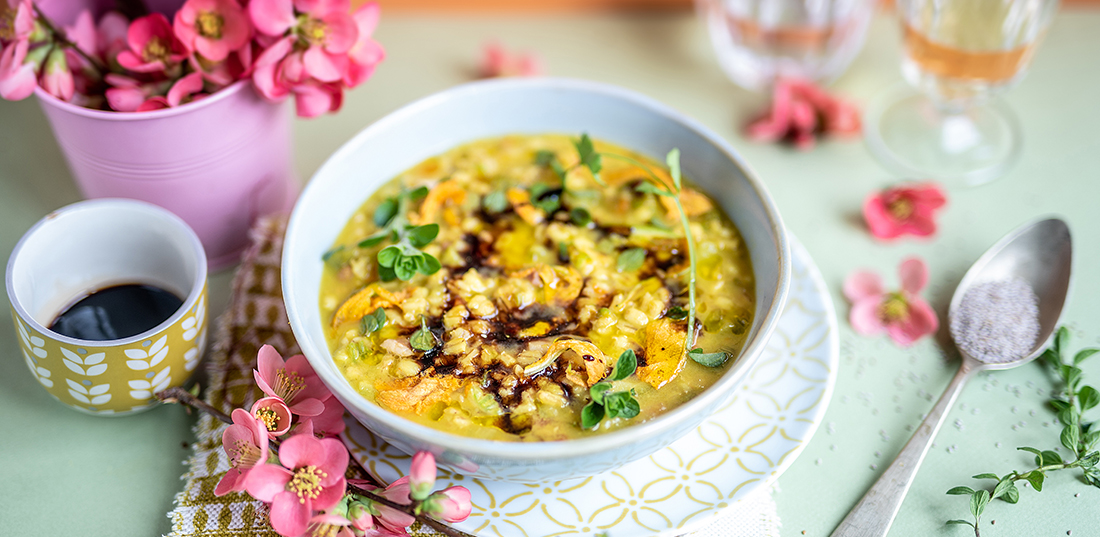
(1041, 253)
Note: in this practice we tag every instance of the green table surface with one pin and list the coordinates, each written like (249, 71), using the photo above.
(65, 472)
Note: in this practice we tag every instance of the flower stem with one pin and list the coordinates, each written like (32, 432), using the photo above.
(60, 38)
(180, 395)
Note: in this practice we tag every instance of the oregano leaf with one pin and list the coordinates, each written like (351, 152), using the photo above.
(987, 476)
(961, 491)
(1070, 437)
(628, 362)
(978, 502)
(388, 256)
(598, 390)
(591, 415)
(385, 212)
(709, 359)
(1088, 398)
(960, 522)
(420, 236)
(676, 313)
(495, 202)
(1082, 355)
(423, 339)
(1061, 339)
(1036, 478)
(631, 260)
(418, 193)
(1012, 494)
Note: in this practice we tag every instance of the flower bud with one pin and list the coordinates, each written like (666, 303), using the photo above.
(422, 475)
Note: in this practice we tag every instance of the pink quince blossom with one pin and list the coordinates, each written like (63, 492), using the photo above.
(904, 209)
(213, 28)
(797, 106)
(293, 381)
(422, 475)
(498, 62)
(245, 443)
(128, 95)
(310, 478)
(18, 76)
(451, 504)
(153, 46)
(274, 414)
(903, 314)
(57, 78)
(325, 27)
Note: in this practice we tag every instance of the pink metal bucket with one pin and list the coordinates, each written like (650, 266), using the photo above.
(218, 163)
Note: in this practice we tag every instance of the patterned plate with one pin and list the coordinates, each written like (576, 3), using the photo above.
(743, 446)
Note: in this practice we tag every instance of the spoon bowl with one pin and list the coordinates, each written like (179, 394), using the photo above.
(1040, 253)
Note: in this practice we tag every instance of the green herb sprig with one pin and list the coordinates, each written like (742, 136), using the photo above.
(606, 403)
(1077, 436)
(423, 339)
(404, 258)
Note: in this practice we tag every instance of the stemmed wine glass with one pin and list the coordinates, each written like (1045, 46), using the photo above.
(959, 54)
(758, 41)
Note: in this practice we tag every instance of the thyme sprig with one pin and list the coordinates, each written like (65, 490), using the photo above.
(1077, 436)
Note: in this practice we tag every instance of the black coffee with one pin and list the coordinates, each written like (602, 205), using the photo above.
(117, 312)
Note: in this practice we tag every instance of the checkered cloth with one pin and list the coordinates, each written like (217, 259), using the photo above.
(256, 317)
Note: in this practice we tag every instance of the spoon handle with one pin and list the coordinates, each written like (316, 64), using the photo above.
(875, 512)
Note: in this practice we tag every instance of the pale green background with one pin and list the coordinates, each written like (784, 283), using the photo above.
(67, 473)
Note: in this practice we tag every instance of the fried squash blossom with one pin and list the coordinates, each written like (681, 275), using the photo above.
(534, 289)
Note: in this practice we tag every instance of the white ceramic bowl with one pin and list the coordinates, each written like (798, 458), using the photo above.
(539, 105)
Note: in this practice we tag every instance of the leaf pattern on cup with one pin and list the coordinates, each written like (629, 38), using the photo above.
(193, 324)
(89, 395)
(33, 343)
(40, 373)
(77, 364)
(144, 389)
(141, 359)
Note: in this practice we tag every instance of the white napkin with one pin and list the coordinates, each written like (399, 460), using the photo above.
(754, 516)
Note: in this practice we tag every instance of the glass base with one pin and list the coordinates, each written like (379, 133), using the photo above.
(910, 135)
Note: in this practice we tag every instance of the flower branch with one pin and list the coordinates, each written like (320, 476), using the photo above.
(283, 452)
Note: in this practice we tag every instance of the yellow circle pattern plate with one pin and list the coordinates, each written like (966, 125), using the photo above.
(745, 445)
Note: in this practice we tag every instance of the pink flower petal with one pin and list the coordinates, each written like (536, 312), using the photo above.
(312, 100)
(880, 221)
(862, 284)
(335, 461)
(341, 32)
(289, 516)
(307, 407)
(125, 99)
(366, 18)
(302, 450)
(459, 508)
(17, 79)
(183, 88)
(324, 66)
(921, 321)
(913, 273)
(865, 318)
(272, 17)
(265, 481)
(83, 32)
(153, 103)
(232, 481)
(331, 494)
(268, 363)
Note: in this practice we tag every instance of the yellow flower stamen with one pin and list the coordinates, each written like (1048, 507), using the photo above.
(269, 418)
(325, 530)
(895, 308)
(7, 22)
(155, 50)
(313, 30)
(210, 24)
(245, 455)
(306, 483)
(288, 384)
(901, 208)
